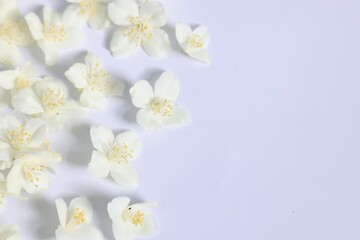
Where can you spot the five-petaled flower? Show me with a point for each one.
(92, 11)
(13, 33)
(49, 100)
(114, 154)
(94, 82)
(194, 43)
(75, 220)
(140, 25)
(130, 221)
(55, 31)
(157, 106)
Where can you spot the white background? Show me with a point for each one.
(272, 151)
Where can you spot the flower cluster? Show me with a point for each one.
(38, 106)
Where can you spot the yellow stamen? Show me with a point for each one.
(97, 79)
(139, 32)
(162, 107)
(54, 32)
(11, 31)
(79, 216)
(18, 137)
(121, 153)
(195, 41)
(137, 218)
(21, 83)
(88, 8)
(52, 100)
(33, 173)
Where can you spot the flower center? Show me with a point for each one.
(195, 41)
(121, 153)
(88, 8)
(21, 83)
(33, 173)
(162, 107)
(52, 99)
(11, 30)
(137, 218)
(54, 33)
(139, 32)
(18, 137)
(79, 216)
(97, 79)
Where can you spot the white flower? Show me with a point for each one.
(75, 220)
(3, 191)
(13, 33)
(194, 43)
(94, 82)
(48, 100)
(131, 221)
(158, 105)
(4, 98)
(92, 11)
(112, 155)
(19, 78)
(29, 172)
(54, 32)
(16, 138)
(140, 25)
(9, 232)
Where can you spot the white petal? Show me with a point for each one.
(9, 232)
(34, 188)
(154, 12)
(200, 54)
(50, 52)
(102, 138)
(120, 44)
(99, 165)
(124, 174)
(148, 228)
(72, 16)
(83, 232)
(178, 116)
(148, 120)
(35, 26)
(14, 179)
(8, 122)
(4, 98)
(100, 20)
(159, 45)
(92, 99)
(203, 33)
(6, 155)
(7, 79)
(121, 11)
(37, 129)
(50, 83)
(77, 74)
(183, 32)
(84, 205)
(9, 54)
(131, 139)
(116, 207)
(26, 101)
(73, 38)
(62, 211)
(123, 231)
(92, 60)
(141, 94)
(46, 158)
(51, 16)
(167, 86)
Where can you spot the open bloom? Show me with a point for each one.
(131, 221)
(54, 32)
(30, 172)
(19, 78)
(9, 232)
(92, 11)
(75, 220)
(194, 43)
(17, 139)
(113, 155)
(140, 25)
(157, 106)
(49, 100)
(13, 32)
(94, 82)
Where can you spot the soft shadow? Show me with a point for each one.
(172, 36)
(46, 220)
(80, 153)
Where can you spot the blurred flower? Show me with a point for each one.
(9, 232)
